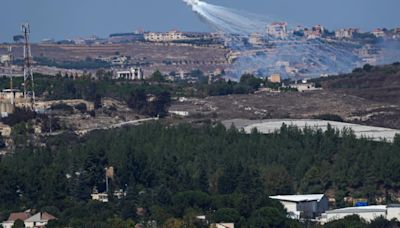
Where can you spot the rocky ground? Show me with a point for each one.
(294, 105)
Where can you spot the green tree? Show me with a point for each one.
(353, 221)
(251, 80)
(267, 217)
(227, 215)
(157, 77)
(18, 224)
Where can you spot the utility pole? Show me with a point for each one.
(29, 86)
(106, 169)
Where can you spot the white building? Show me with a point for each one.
(164, 36)
(131, 74)
(304, 87)
(9, 223)
(38, 220)
(368, 213)
(179, 113)
(278, 30)
(256, 39)
(5, 58)
(222, 225)
(102, 197)
(318, 28)
(303, 206)
(346, 33)
(379, 33)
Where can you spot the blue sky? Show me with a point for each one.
(61, 19)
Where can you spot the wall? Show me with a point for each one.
(368, 216)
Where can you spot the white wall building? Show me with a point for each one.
(164, 36)
(9, 223)
(303, 206)
(131, 74)
(379, 33)
(368, 213)
(222, 225)
(278, 30)
(38, 220)
(102, 197)
(5, 58)
(346, 33)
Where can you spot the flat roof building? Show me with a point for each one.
(368, 213)
(303, 206)
(131, 74)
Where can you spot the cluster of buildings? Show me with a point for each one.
(316, 207)
(174, 35)
(39, 219)
(164, 36)
(280, 30)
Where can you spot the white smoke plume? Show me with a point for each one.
(307, 57)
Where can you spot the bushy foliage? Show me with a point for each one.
(177, 172)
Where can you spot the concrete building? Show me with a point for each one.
(8, 99)
(222, 225)
(164, 36)
(311, 35)
(304, 87)
(318, 28)
(5, 130)
(278, 30)
(393, 211)
(102, 197)
(303, 206)
(379, 33)
(5, 58)
(346, 33)
(38, 220)
(9, 223)
(368, 213)
(256, 39)
(275, 78)
(179, 113)
(131, 74)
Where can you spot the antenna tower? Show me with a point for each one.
(29, 86)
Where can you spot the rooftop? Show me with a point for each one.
(40, 217)
(298, 198)
(374, 208)
(19, 215)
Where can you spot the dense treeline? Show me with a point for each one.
(177, 172)
(85, 64)
(146, 98)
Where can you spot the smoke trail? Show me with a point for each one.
(289, 54)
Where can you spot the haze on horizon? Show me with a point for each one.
(77, 18)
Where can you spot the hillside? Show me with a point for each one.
(380, 84)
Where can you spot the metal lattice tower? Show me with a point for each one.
(29, 86)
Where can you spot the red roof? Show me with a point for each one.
(19, 215)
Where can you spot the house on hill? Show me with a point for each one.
(38, 220)
(304, 206)
(9, 223)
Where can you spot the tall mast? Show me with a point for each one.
(29, 86)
